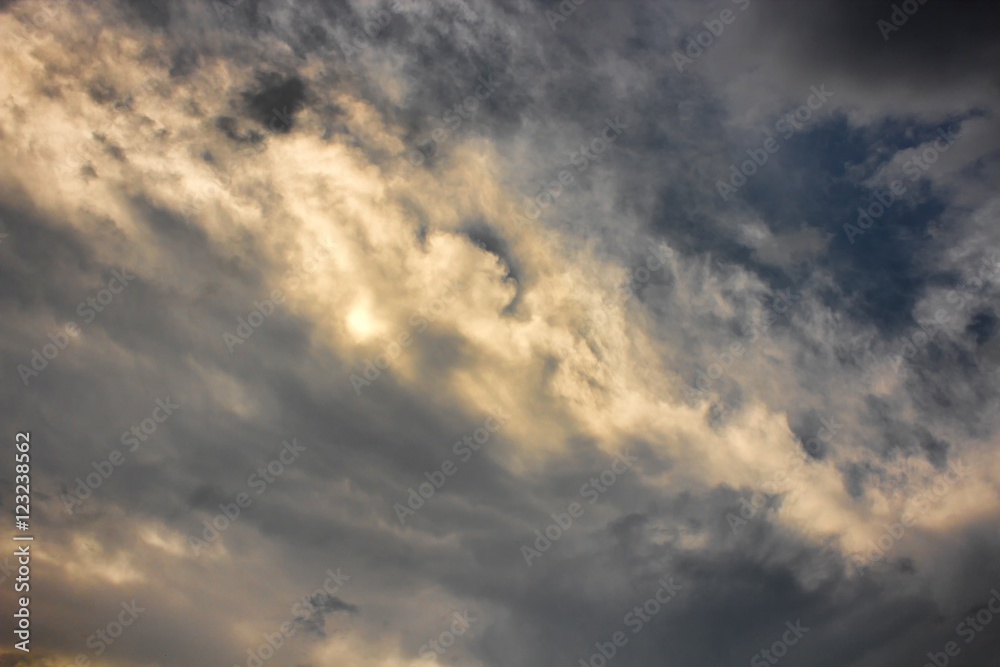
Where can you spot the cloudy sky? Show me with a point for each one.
(503, 333)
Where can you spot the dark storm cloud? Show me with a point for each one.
(491, 242)
(322, 605)
(184, 61)
(939, 43)
(276, 101)
(155, 13)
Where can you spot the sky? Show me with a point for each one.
(502, 333)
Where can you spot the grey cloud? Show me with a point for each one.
(333, 165)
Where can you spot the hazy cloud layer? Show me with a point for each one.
(479, 332)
